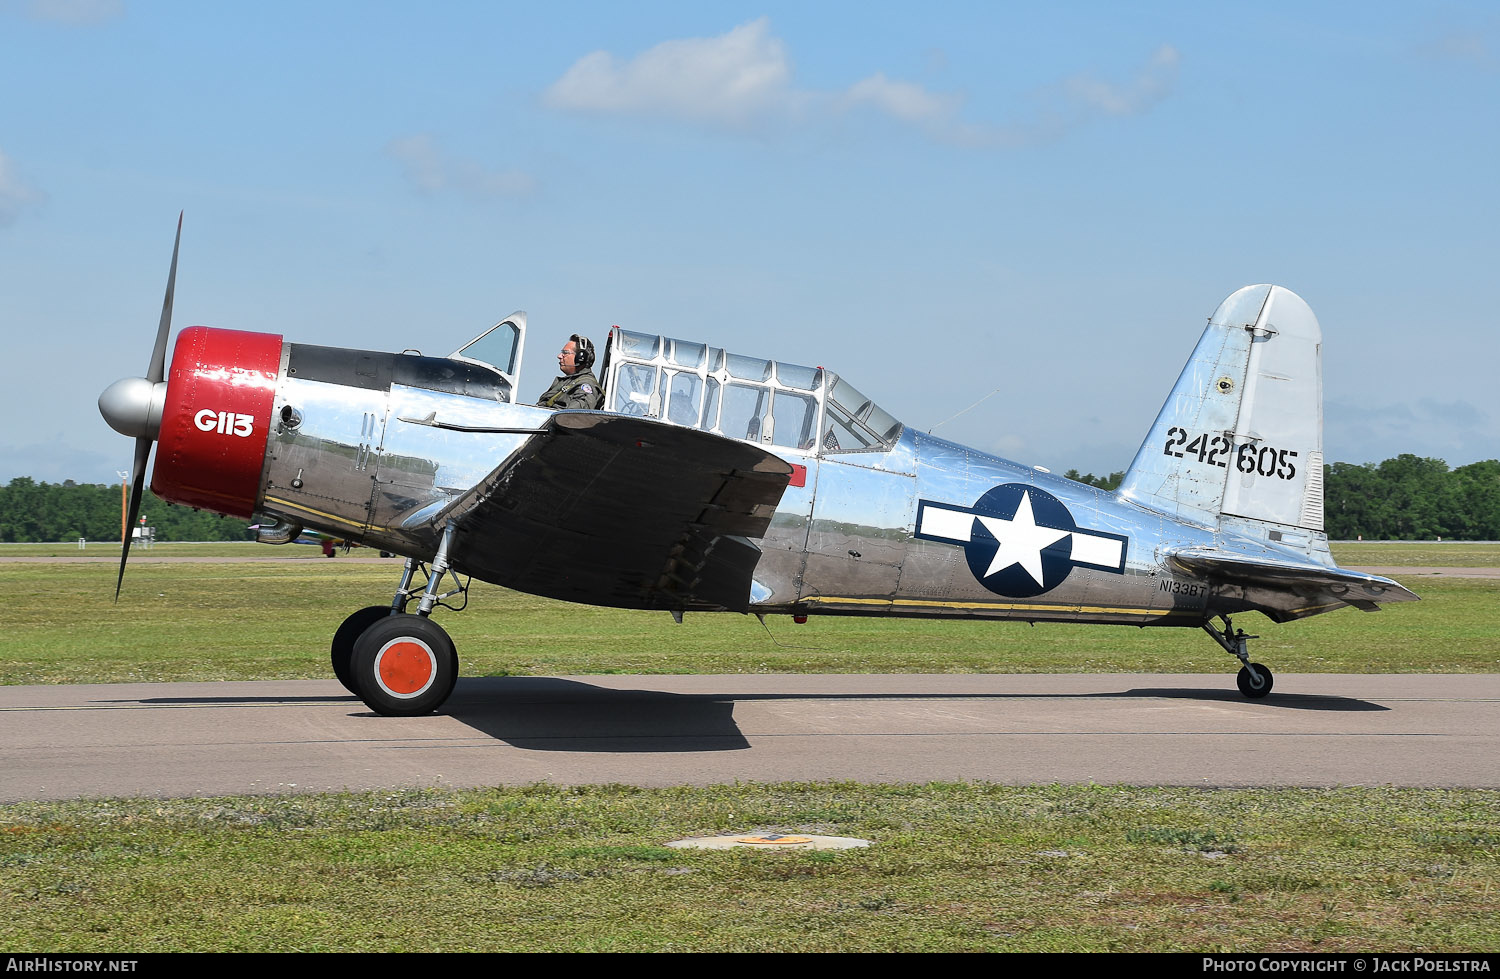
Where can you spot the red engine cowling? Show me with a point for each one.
(216, 419)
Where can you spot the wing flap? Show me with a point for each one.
(622, 511)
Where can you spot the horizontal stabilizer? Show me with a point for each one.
(1288, 589)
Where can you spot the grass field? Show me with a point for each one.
(273, 619)
(953, 867)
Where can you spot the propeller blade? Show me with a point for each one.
(137, 489)
(159, 352)
(155, 371)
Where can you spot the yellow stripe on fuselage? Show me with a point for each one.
(318, 513)
(1002, 606)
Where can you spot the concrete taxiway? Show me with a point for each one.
(184, 739)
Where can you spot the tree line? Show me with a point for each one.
(1405, 498)
(35, 512)
(1410, 498)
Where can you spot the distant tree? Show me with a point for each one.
(1353, 505)
(1404, 498)
(1477, 500)
(1110, 482)
(35, 512)
(1412, 498)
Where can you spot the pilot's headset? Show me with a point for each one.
(584, 353)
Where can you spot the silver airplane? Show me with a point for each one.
(712, 481)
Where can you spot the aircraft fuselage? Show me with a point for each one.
(926, 528)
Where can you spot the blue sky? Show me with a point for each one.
(1037, 205)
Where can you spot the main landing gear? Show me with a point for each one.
(1254, 680)
(400, 664)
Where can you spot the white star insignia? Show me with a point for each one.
(1021, 540)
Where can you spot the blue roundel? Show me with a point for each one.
(1021, 543)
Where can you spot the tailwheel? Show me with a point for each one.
(1254, 681)
(343, 642)
(404, 666)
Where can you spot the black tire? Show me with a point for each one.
(404, 666)
(342, 653)
(1256, 685)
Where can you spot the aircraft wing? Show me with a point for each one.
(622, 511)
(1286, 590)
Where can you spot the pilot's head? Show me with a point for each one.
(576, 355)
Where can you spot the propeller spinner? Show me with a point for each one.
(133, 405)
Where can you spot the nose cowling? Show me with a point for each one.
(215, 419)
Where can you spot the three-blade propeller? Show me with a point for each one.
(132, 406)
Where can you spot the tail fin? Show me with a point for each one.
(1241, 434)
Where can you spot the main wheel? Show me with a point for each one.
(404, 666)
(343, 642)
(1254, 681)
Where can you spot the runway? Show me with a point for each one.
(202, 739)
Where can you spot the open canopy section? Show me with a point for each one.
(767, 402)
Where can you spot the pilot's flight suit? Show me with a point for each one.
(579, 390)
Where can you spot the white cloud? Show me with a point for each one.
(75, 13)
(15, 193)
(1151, 84)
(743, 79)
(431, 171)
(731, 79)
(903, 100)
(1079, 100)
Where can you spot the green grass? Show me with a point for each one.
(953, 867)
(1418, 554)
(274, 620)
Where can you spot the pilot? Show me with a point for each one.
(577, 387)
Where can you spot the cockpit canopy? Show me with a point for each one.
(764, 401)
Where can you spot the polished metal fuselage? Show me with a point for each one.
(848, 542)
(377, 462)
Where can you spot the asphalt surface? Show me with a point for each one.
(186, 739)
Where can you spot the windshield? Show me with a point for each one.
(496, 347)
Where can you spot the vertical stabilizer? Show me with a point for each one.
(1241, 434)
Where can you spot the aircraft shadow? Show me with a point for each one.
(551, 714)
(548, 714)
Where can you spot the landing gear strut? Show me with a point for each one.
(1254, 680)
(399, 664)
